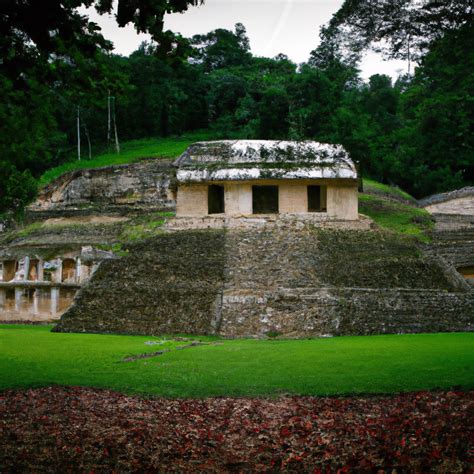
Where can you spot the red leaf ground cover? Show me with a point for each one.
(78, 429)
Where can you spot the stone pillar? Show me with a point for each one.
(35, 303)
(54, 300)
(94, 268)
(40, 270)
(18, 298)
(3, 298)
(78, 270)
(58, 274)
(293, 198)
(26, 268)
(192, 201)
(238, 199)
(342, 202)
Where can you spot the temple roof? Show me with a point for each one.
(236, 160)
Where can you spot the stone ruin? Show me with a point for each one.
(39, 289)
(226, 266)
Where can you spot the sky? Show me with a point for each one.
(290, 27)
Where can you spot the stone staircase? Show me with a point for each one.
(295, 282)
(337, 282)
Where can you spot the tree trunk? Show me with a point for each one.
(108, 118)
(78, 134)
(117, 145)
(86, 130)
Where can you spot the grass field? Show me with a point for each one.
(32, 356)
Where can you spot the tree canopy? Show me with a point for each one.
(402, 29)
(415, 132)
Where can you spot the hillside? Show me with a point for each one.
(393, 209)
(130, 152)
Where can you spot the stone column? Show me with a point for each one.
(95, 266)
(35, 303)
(40, 270)
(54, 300)
(59, 271)
(78, 270)
(18, 297)
(26, 268)
(3, 298)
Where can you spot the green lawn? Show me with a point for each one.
(32, 356)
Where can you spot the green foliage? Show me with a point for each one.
(436, 142)
(16, 189)
(33, 356)
(396, 216)
(415, 133)
(222, 48)
(402, 29)
(27, 230)
(273, 114)
(144, 227)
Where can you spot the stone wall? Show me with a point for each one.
(337, 282)
(460, 201)
(342, 198)
(170, 284)
(296, 281)
(147, 183)
(344, 311)
(453, 240)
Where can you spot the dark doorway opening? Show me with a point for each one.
(215, 199)
(316, 198)
(9, 269)
(265, 199)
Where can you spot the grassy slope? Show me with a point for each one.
(33, 356)
(131, 151)
(374, 187)
(394, 209)
(396, 216)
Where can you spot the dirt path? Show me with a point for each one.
(87, 430)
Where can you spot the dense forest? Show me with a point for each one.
(58, 76)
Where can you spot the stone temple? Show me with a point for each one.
(248, 177)
(255, 238)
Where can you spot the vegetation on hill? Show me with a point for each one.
(131, 151)
(384, 190)
(397, 216)
(415, 132)
(32, 356)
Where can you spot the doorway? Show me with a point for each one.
(265, 199)
(317, 199)
(215, 199)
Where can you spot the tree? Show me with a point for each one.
(52, 66)
(437, 144)
(16, 189)
(222, 48)
(403, 29)
(273, 114)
